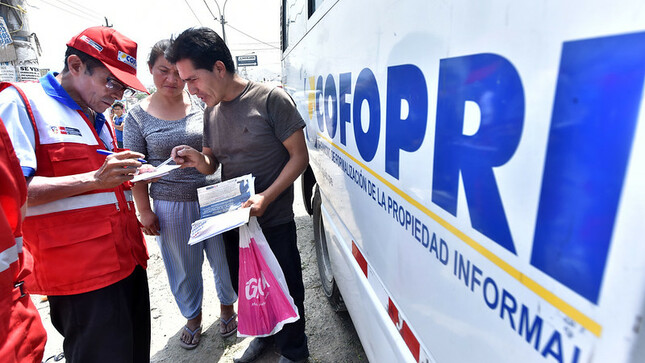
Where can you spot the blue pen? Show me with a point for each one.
(108, 152)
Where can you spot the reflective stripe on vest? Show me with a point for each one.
(71, 203)
(9, 256)
(128, 195)
(77, 202)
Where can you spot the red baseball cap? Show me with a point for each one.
(116, 51)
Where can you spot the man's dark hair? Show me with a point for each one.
(157, 51)
(89, 61)
(117, 104)
(203, 47)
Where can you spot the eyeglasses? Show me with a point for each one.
(116, 86)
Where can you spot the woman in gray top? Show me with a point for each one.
(167, 118)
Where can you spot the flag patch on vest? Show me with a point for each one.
(63, 130)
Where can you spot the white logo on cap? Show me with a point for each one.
(127, 59)
(92, 43)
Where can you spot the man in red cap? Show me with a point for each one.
(81, 228)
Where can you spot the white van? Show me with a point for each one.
(476, 174)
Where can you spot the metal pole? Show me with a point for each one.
(223, 29)
(21, 54)
(221, 17)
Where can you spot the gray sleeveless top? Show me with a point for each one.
(155, 138)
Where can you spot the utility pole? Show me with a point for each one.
(221, 18)
(18, 55)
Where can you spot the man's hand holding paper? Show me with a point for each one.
(188, 157)
(185, 156)
(221, 207)
(257, 203)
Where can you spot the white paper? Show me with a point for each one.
(225, 196)
(157, 173)
(212, 226)
(220, 207)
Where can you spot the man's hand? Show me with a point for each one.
(117, 168)
(186, 156)
(150, 223)
(258, 204)
(298, 160)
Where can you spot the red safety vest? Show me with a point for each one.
(22, 335)
(88, 241)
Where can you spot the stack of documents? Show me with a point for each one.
(220, 207)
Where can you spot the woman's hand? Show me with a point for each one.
(150, 223)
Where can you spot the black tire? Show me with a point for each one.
(325, 271)
(307, 181)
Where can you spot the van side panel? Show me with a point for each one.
(481, 166)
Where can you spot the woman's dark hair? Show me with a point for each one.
(203, 47)
(89, 61)
(157, 51)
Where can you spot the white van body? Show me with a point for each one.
(477, 171)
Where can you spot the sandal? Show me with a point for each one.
(195, 337)
(225, 328)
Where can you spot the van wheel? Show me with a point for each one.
(322, 257)
(307, 182)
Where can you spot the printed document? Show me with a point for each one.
(220, 207)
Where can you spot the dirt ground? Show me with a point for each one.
(332, 337)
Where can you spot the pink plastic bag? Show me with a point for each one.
(264, 304)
